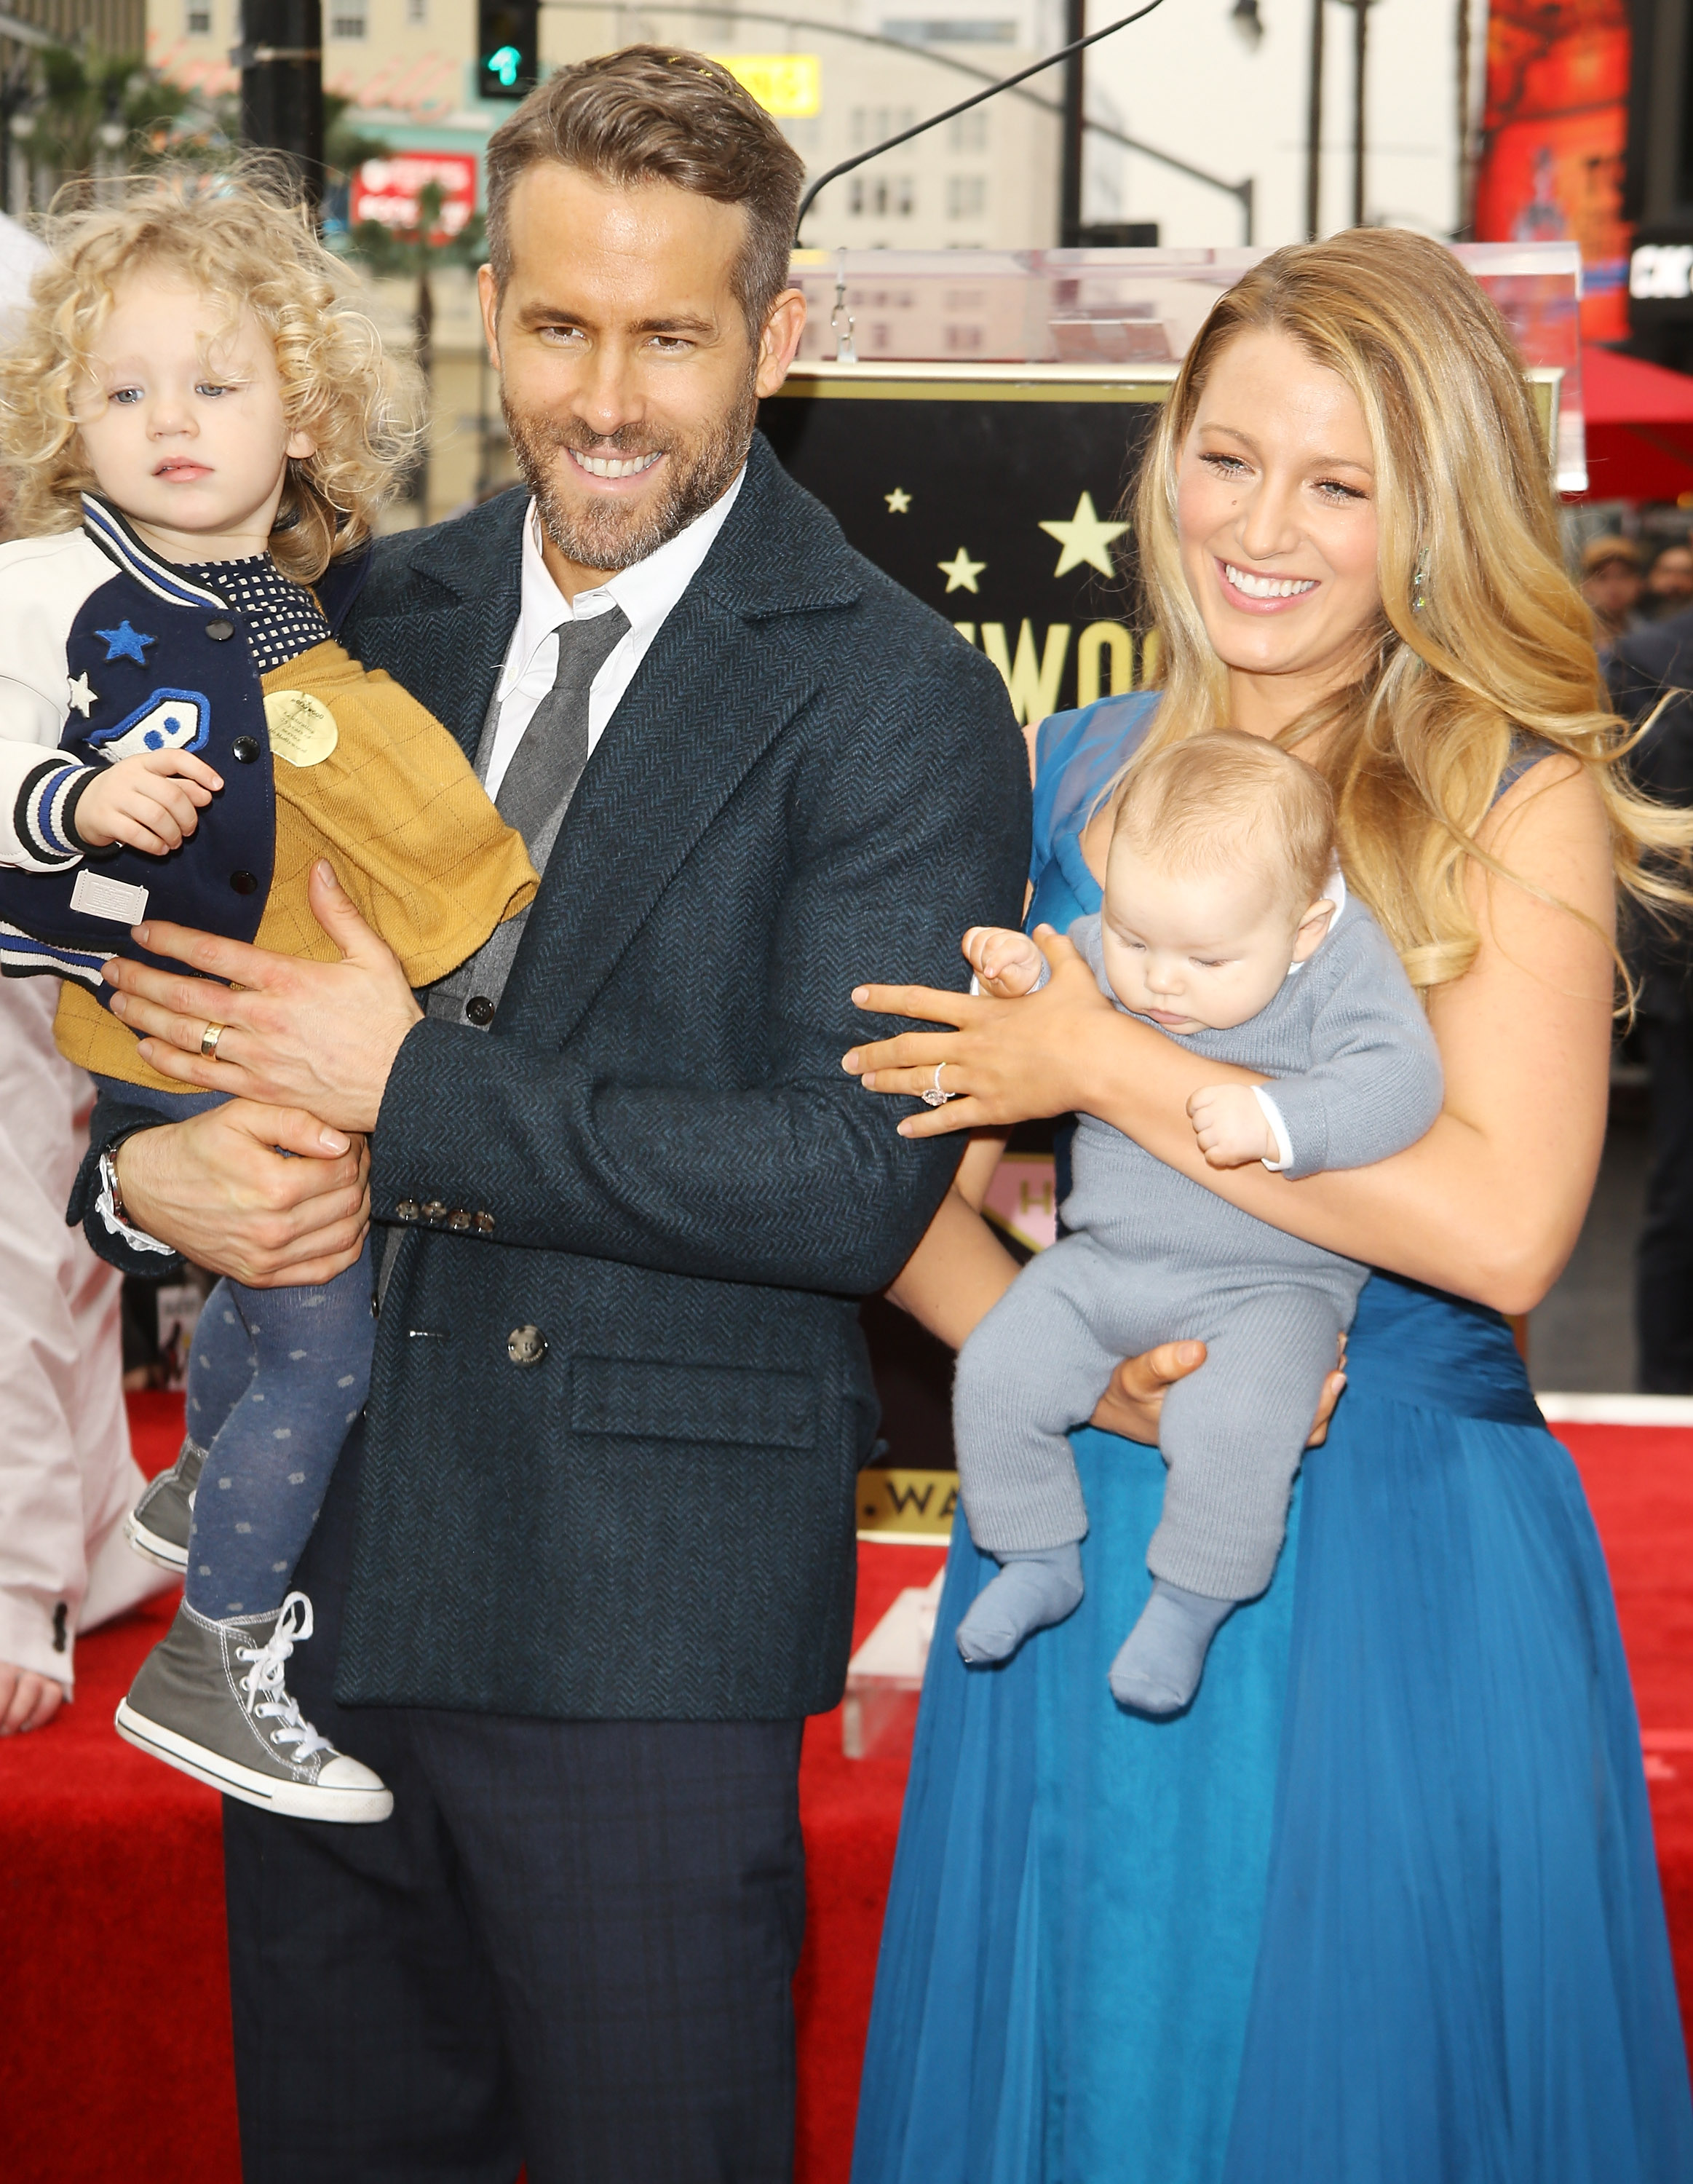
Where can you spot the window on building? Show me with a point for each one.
(416, 12)
(350, 29)
(968, 133)
(198, 22)
(960, 339)
(967, 195)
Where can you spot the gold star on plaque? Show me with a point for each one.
(1085, 537)
(898, 501)
(961, 572)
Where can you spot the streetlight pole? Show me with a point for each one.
(1070, 166)
(1313, 129)
(1361, 37)
(281, 84)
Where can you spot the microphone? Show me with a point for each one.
(964, 105)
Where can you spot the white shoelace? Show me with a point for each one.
(266, 1690)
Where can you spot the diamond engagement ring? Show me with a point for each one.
(209, 1041)
(934, 1097)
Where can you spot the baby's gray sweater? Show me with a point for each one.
(1356, 1078)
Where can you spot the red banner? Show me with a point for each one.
(1554, 131)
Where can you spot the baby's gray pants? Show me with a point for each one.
(1232, 1433)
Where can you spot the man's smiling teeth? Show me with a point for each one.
(609, 467)
(1267, 587)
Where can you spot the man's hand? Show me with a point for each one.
(1232, 1128)
(27, 1701)
(319, 1036)
(1134, 1404)
(1006, 964)
(218, 1189)
(152, 802)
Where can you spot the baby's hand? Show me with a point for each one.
(151, 802)
(1233, 1129)
(1006, 964)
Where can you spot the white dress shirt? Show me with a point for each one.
(646, 593)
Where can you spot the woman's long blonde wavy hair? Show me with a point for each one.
(1502, 647)
(245, 241)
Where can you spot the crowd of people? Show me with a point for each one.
(568, 956)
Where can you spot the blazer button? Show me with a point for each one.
(525, 1346)
(458, 1218)
(433, 1210)
(479, 1008)
(219, 630)
(243, 882)
(406, 1210)
(485, 1224)
(244, 749)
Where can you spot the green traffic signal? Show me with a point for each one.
(504, 65)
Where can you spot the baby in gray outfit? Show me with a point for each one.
(1226, 923)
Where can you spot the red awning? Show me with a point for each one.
(1640, 427)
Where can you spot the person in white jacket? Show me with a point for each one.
(67, 1476)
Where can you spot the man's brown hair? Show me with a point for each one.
(648, 114)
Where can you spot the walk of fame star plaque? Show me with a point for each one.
(995, 493)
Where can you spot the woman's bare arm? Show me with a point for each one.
(961, 1270)
(1489, 1203)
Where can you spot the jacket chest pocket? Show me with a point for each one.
(643, 1399)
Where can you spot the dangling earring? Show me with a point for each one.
(1419, 585)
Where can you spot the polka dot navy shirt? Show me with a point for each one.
(281, 619)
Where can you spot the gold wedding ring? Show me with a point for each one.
(209, 1041)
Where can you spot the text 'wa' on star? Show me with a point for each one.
(961, 572)
(1085, 537)
(898, 501)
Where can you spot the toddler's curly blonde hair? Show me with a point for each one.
(244, 240)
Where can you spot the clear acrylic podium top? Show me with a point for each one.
(1134, 312)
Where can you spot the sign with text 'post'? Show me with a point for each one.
(389, 190)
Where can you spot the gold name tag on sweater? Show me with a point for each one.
(302, 727)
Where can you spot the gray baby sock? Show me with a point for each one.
(1030, 1591)
(1161, 1660)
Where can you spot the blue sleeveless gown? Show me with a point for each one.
(1381, 1908)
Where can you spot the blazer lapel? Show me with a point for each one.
(726, 675)
(678, 746)
(461, 620)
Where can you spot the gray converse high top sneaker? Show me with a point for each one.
(212, 1699)
(159, 1525)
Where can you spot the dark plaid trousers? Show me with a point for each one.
(572, 1946)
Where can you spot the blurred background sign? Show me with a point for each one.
(789, 86)
(388, 191)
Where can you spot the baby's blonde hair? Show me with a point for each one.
(245, 241)
(1224, 800)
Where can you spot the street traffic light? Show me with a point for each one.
(507, 47)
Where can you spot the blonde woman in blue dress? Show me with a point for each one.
(1381, 1906)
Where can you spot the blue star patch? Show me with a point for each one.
(124, 643)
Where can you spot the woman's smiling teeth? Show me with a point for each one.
(613, 467)
(1267, 587)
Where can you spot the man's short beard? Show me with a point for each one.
(610, 534)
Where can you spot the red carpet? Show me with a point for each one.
(116, 2013)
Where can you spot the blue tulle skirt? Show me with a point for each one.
(1381, 1908)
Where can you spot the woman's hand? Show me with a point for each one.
(1134, 1404)
(1005, 1061)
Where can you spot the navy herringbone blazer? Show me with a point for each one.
(654, 1158)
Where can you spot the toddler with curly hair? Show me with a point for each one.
(203, 426)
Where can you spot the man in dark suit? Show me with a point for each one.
(1641, 669)
(589, 1562)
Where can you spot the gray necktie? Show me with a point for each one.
(534, 795)
(546, 766)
